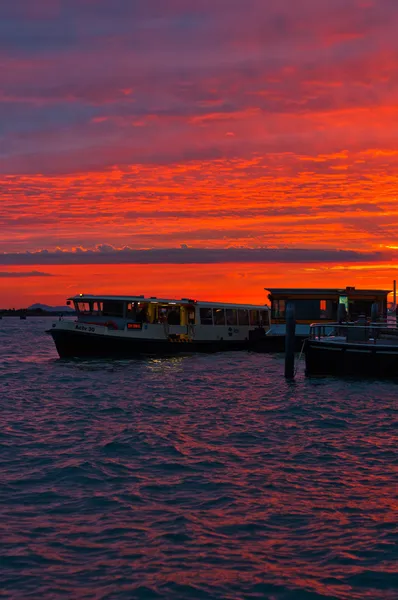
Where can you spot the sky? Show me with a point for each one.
(201, 148)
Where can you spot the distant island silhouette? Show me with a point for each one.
(37, 310)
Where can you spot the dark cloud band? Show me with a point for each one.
(108, 255)
(19, 275)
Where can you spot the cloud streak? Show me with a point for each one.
(105, 255)
(22, 274)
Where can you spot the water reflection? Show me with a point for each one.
(192, 477)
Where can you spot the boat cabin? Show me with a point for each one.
(138, 310)
(322, 304)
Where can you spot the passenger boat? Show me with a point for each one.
(360, 349)
(134, 325)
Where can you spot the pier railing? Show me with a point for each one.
(355, 331)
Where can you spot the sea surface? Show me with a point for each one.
(202, 477)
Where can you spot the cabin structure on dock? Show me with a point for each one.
(312, 305)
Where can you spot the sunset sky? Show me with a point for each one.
(201, 148)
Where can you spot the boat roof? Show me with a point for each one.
(155, 300)
(348, 291)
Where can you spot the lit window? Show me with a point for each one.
(219, 316)
(323, 312)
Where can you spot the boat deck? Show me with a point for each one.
(338, 340)
(365, 350)
(369, 334)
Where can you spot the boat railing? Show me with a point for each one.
(355, 331)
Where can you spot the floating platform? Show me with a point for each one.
(369, 350)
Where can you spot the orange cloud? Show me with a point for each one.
(211, 127)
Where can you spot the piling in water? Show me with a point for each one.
(290, 340)
(374, 313)
(341, 313)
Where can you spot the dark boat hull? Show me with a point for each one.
(363, 360)
(74, 344)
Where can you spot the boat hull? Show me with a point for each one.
(76, 344)
(363, 360)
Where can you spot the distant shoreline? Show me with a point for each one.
(23, 312)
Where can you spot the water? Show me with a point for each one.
(204, 477)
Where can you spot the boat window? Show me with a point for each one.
(243, 316)
(278, 309)
(112, 308)
(142, 312)
(254, 318)
(168, 313)
(325, 309)
(83, 308)
(132, 310)
(264, 317)
(97, 308)
(322, 309)
(162, 314)
(173, 315)
(232, 316)
(219, 316)
(206, 316)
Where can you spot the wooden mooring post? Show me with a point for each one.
(341, 313)
(290, 340)
(374, 312)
